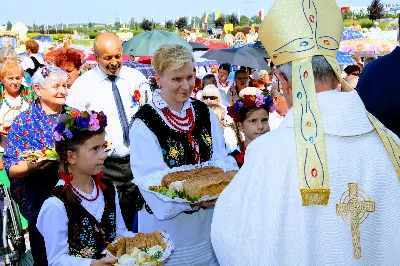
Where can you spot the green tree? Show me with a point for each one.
(181, 23)
(90, 25)
(132, 24)
(244, 20)
(9, 25)
(117, 25)
(219, 23)
(146, 25)
(375, 10)
(169, 25)
(233, 20)
(255, 20)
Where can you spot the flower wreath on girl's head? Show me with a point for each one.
(238, 110)
(79, 121)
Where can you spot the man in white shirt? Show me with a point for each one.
(115, 90)
(276, 118)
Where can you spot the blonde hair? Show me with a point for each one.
(11, 67)
(170, 57)
(219, 112)
(211, 90)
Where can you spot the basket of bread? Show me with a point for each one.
(141, 249)
(189, 184)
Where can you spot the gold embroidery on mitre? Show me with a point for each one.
(354, 207)
(309, 28)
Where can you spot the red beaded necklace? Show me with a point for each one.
(76, 191)
(179, 122)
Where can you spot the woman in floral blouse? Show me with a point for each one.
(32, 183)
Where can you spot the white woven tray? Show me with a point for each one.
(156, 178)
(132, 261)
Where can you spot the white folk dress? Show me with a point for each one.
(259, 218)
(190, 232)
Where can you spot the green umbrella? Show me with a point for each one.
(146, 43)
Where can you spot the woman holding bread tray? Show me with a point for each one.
(171, 131)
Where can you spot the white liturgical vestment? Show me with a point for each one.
(259, 218)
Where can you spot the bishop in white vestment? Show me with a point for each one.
(323, 189)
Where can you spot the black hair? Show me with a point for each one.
(226, 67)
(240, 72)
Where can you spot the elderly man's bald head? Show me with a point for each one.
(105, 39)
(108, 51)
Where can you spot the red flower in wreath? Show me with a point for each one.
(248, 101)
(75, 113)
(136, 95)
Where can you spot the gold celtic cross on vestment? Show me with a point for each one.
(354, 207)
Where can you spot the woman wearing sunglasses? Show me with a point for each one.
(211, 95)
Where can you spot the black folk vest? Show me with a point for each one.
(87, 238)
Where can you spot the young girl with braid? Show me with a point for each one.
(83, 215)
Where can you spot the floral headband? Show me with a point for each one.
(79, 121)
(238, 110)
(45, 71)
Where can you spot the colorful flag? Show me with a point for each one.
(261, 14)
(204, 19)
(218, 15)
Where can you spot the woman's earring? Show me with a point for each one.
(80, 73)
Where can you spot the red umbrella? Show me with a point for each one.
(145, 60)
(213, 44)
(125, 57)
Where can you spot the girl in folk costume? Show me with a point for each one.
(83, 210)
(174, 130)
(251, 114)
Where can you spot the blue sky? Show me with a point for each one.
(74, 11)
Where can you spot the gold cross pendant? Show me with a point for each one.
(354, 207)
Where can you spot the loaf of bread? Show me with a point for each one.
(209, 185)
(190, 174)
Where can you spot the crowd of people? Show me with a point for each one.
(282, 128)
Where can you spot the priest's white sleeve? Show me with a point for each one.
(52, 223)
(146, 158)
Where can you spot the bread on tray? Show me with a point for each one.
(189, 174)
(208, 185)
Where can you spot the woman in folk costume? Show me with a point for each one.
(83, 215)
(316, 190)
(174, 130)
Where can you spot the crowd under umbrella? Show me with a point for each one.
(146, 43)
(244, 56)
(196, 46)
(42, 38)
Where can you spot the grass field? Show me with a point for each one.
(85, 42)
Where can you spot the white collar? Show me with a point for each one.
(343, 114)
(103, 76)
(160, 103)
